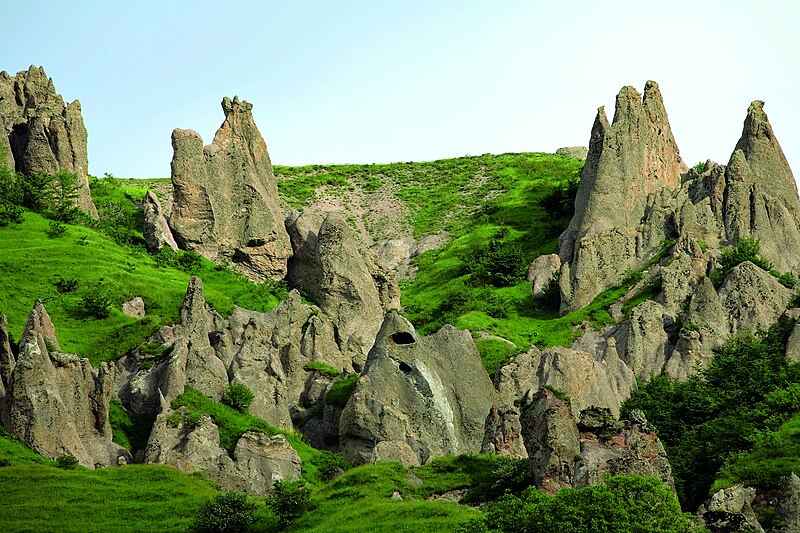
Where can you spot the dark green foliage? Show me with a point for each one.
(289, 500)
(36, 191)
(744, 250)
(331, 465)
(128, 430)
(10, 214)
(56, 230)
(187, 261)
(501, 263)
(96, 302)
(10, 195)
(560, 202)
(230, 512)
(67, 462)
(621, 504)
(341, 390)
(550, 298)
(238, 396)
(65, 285)
(748, 388)
(699, 168)
(64, 193)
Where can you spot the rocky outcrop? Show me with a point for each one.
(134, 307)
(56, 403)
(332, 266)
(225, 202)
(575, 152)
(541, 272)
(752, 298)
(42, 132)
(730, 511)
(630, 159)
(417, 398)
(193, 446)
(7, 359)
(156, 230)
(565, 453)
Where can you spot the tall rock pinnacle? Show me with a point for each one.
(41, 133)
(226, 199)
(629, 160)
(761, 198)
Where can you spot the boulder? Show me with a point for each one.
(44, 134)
(156, 229)
(752, 298)
(225, 202)
(629, 160)
(789, 504)
(193, 446)
(575, 152)
(730, 511)
(134, 307)
(642, 340)
(541, 272)
(57, 403)
(551, 439)
(417, 397)
(504, 432)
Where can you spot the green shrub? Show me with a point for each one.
(10, 214)
(36, 191)
(508, 476)
(501, 263)
(56, 229)
(166, 257)
(700, 167)
(96, 303)
(289, 500)
(330, 465)
(67, 462)
(64, 190)
(230, 512)
(190, 261)
(744, 250)
(341, 390)
(323, 368)
(560, 202)
(65, 285)
(238, 396)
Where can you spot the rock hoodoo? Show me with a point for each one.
(156, 230)
(417, 398)
(42, 133)
(225, 201)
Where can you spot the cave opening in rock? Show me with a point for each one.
(402, 337)
(405, 367)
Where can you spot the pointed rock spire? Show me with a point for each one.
(629, 160)
(39, 329)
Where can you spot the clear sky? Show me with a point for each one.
(379, 81)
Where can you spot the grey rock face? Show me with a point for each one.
(576, 152)
(156, 229)
(225, 199)
(44, 134)
(256, 463)
(752, 298)
(789, 505)
(134, 307)
(56, 403)
(729, 511)
(541, 272)
(642, 340)
(629, 160)
(7, 360)
(417, 397)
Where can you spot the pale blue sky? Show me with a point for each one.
(379, 81)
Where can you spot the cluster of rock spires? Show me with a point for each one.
(42, 133)
(417, 397)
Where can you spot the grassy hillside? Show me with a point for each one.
(32, 263)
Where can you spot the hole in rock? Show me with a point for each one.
(406, 368)
(402, 337)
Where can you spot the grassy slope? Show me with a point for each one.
(30, 263)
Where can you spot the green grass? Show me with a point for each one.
(38, 497)
(232, 424)
(360, 500)
(341, 390)
(323, 368)
(31, 262)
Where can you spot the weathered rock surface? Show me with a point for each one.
(541, 272)
(225, 202)
(629, 160)
(56, 403)
(156, 229)
(417, 397)
(752, 298)
(7, 359)
(730, 511)
(576, 152)
(256, 463)
(134, 307)
(44, 134)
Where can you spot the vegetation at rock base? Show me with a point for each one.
(238, 396)
(727, 418)
(288, 501)
(230, 512)
(341, 390)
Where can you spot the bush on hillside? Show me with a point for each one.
(289, 500)
(501, 263)
(230, 512)
(744, 250)
(10, 196)
(749, 388)
(65, 285)
(560, 202)
(96, 303)
(67, 462)
(238, 396)
(330, 465)
(56, 229)
(621, 504)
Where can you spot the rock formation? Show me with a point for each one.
(225, 202)
(729, 511)
(156, 230)
(193, 446)
(541, 272)
(630, 159)
(56, 403)
(576, 152)
(42, 133)
(417, 397)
